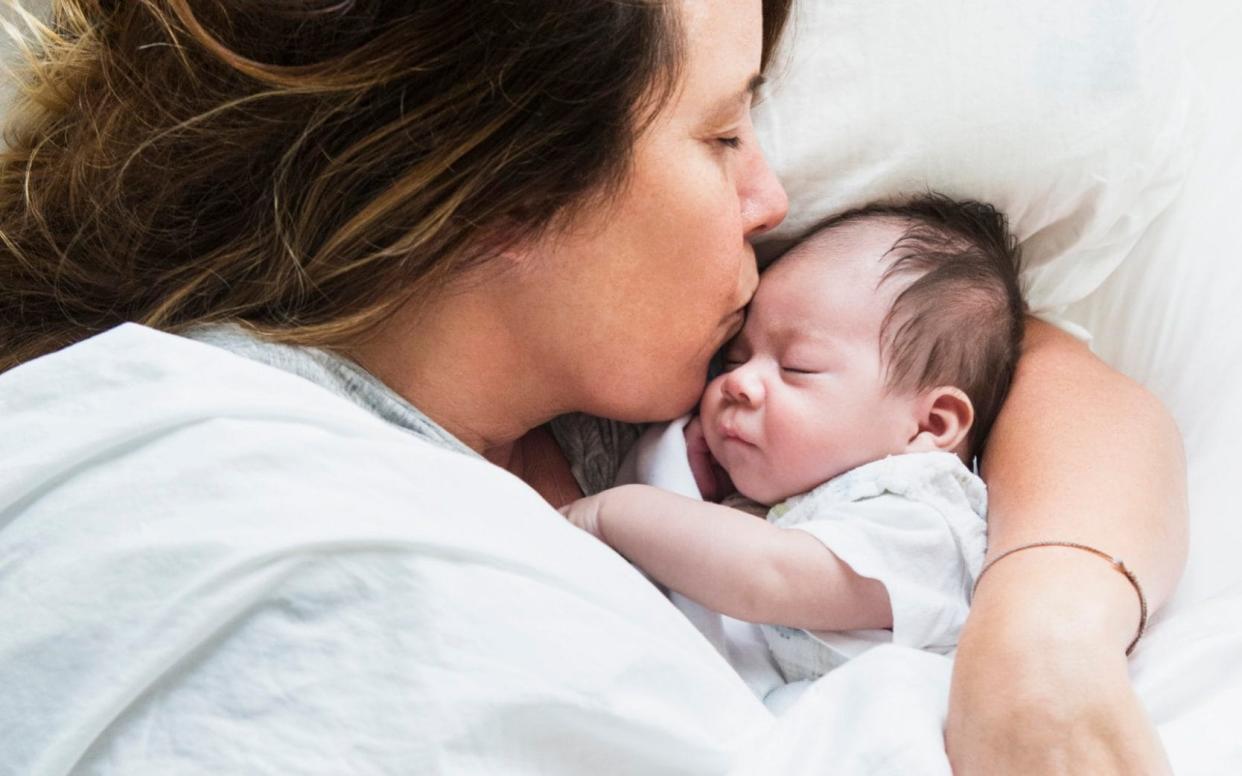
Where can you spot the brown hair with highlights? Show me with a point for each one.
(305, 167)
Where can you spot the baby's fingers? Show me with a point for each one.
(582, 513)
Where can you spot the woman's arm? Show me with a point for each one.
(733, 562)
(1079, 453)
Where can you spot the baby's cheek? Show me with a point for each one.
(803, 466)
(755, 485)
(709, 409)
(790, 438)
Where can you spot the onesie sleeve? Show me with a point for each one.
(925, 559)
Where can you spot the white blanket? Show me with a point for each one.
(885, 711)
(211, 566)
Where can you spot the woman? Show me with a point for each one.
(467, 220)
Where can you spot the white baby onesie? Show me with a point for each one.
(916, 523)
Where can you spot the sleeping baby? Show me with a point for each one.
(874, 359)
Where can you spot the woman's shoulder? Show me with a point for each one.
(177, 565)
(143, 445)
(136, 417)
(141, 375)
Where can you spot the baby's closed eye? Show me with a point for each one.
(799, 370)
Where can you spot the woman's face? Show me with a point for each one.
(642, 291)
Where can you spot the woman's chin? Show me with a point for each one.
(666, 410)
(667, 404)
(685, 398)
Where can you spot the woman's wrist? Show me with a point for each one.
(1040, 681)
(1059, 595)
(1040, 619)
(1018, 706)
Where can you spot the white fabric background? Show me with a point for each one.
(1075, 117)
(1169, 315)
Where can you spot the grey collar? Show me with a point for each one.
(332, 372)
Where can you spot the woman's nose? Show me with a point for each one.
(743, 385)
(764, 202)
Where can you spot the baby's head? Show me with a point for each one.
(888, 329)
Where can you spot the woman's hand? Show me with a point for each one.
(1040, 685)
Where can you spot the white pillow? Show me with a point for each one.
(1072, 116)
(1104, 133)
(1171, 316)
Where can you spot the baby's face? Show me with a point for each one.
(803, 397)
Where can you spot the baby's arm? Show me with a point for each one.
(733, 562)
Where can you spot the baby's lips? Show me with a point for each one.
(731, 431)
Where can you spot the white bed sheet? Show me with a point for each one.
(1171, 317)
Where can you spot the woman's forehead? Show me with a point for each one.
(723, 48)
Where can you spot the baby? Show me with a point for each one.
(872, 364)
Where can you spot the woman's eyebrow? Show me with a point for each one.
(724, 108)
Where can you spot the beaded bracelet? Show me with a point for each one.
(1117, 564)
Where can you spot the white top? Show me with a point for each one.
(914, 522)
(211, 566)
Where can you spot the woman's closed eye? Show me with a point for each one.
(730, 141)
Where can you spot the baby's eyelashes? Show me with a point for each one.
(730, 364)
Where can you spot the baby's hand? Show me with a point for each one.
(584, 513)
(712, 480)
(615, 506)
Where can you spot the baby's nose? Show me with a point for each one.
(743, 385)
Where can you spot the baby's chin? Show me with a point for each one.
(758, 489)
(769, 490)
(750, 473)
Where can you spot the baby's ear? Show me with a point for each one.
(944, 416)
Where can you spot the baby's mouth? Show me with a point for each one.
(730, 433)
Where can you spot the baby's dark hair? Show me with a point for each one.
(960, 320)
